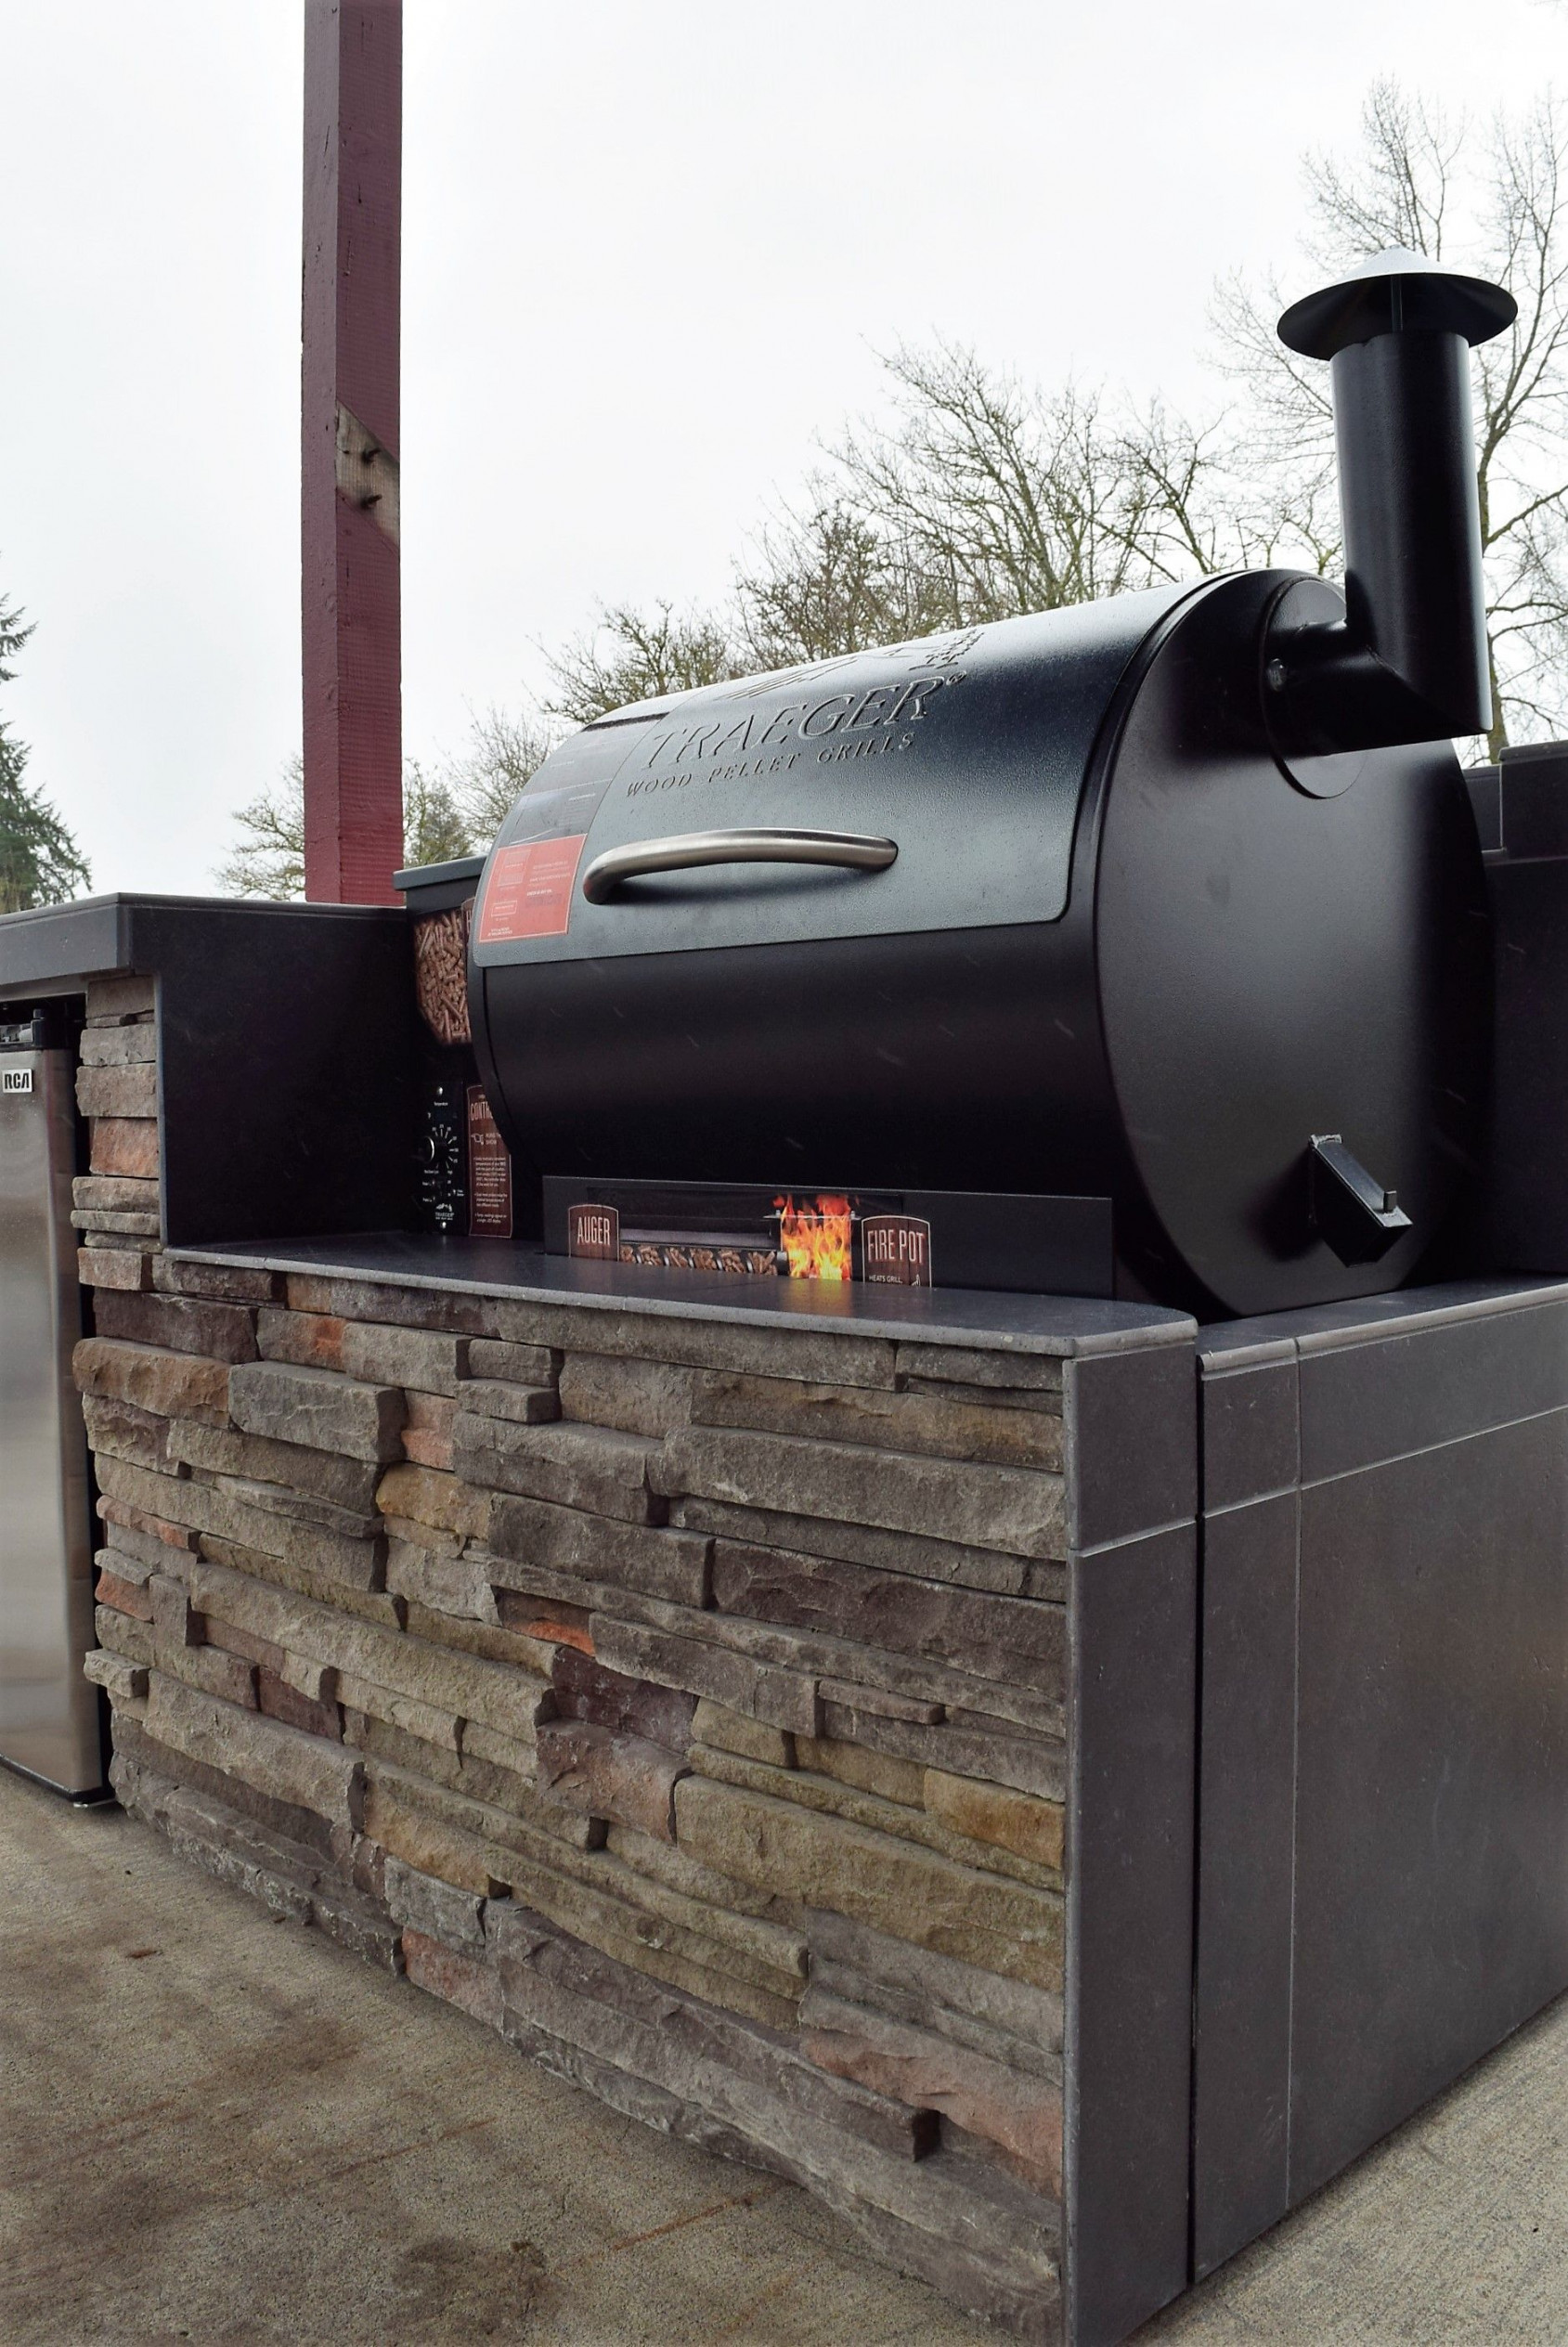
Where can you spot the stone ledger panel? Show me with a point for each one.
(686, 1701)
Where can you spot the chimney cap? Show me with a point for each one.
(1395, 293)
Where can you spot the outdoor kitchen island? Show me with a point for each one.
(811, 1716)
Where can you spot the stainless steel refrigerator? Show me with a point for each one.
(49, 1714)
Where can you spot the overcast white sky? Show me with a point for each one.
(649, 253)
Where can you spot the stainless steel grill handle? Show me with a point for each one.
(852, 850)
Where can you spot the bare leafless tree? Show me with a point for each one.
(630, 655)
(1494, 201)
(268, 856)
(502, 752)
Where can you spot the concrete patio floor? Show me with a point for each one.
(216, 2127)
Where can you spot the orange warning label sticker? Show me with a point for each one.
(528, 891)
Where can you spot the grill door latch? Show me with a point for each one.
(1350, 1212)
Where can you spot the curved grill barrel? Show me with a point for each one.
(1170, 900)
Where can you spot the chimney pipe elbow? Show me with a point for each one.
(1410, 662)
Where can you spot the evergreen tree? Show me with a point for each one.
(40, 862)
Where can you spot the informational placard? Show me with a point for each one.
(489, 1172)
(593, 1233)
(896, 1250)
(528, 889)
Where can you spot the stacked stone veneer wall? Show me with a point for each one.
(683, 1699)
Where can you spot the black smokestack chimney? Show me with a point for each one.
(1409, 662)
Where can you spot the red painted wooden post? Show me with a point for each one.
(348, 488)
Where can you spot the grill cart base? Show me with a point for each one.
(1055, 1781)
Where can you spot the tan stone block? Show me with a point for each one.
(120, 1431)
(234, 1640)
(308, 1340)
(1015, 1510)
(461, 1685)
(422, 1903)
(533, 1655)
(303, 1770)
(123, 1682)
(1003, 1366)
(125, 1145)
(226, 1514)
(114, 1193)
(1016, 1821)
(427, 1359)
(181, 1324)
(879, 1773)
(112, 1267)
(582, 1467)
(1024, 2114)
(782, 1698)
(424, 1447)
(346, 1483)
(279, 1573)
(636, 1398)
(972, 1630)
(480, 1743)
(833, 1798)
(607, 1774)
(428, 1497)
(400, 1711)
(446, 1584)
(428, 1845)
(587, 1890)
(924, 1423)
(172, 1384)
(212, 1668)
(465, 1981)
(216, 1283)
(319, 1408)
(105, 1229)
(894, 1885)
(126, 996)
(124, 1634)
(732, 1732)
(123, 1046)
(427, 1435)
(600, 1550)
(516, 1405)
(529, 1365)
(675, 1870)
(117, 1091)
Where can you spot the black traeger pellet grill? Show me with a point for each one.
(1134, 948)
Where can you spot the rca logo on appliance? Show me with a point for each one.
(16, 1080)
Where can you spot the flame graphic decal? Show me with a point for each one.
(815, 1240)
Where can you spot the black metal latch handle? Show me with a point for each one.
(1353, 1213)
(852, 851)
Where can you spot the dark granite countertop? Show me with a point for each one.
(980, 1319)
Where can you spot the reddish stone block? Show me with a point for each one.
(181, 1324)
(279, 1701)
(125, 1596)
(111, 1267)
(553, 1625)
(609, 1775)
(125, 1145)
(118, 1092)
(423, 1448)
(586, 1690)
(173, 1535)
(458, 1978)
(168, 1384)
(237, 1641)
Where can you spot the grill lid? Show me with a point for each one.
(762, 811)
